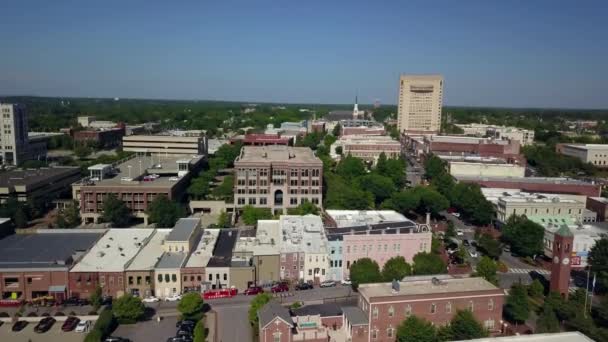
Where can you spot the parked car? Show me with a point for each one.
(346, 282)
(507, 248)
(106, 300)
(44, 325)
(466, 243)
(19, 325)
(180, 339)
(83, 326)
(459, 232)
(328, 283)
(150, 299)
(455, 214)
(116, 339)
(303, 286)
(179, 324)
(70, 323)
(173, 298)
(280, 287)
(473, 253)
(252, 291)
(75, 301)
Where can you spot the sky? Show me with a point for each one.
(515, 53)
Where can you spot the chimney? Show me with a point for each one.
(428, 218)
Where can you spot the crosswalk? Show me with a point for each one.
(528, 270)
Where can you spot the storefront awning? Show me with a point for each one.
(57, 288)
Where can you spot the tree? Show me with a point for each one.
(337, 131)
(96, 297)
(415, 329)
(403, 201)
(431, 201)
(341, 194)
(396, 268)
(71, 214)
(489, 246)
(350, 168)
(547, 322)
(524, 236)
(339, 150)
(224, 191)
(128, 309)
(257, 303)
(434, 166)
(536, 289)
(464, 326)
(487, 269)
(305, 208)
(444, 183)
(364, 271)
(380, 186)
(164, 212)
(81, 151)
(191, 305)
(199, 332)
(115, 211)
(251, 214)
(223, 220)
(598, 259)
(517, 307)
(428, 263)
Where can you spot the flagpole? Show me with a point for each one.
(592, 291)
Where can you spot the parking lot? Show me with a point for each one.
(148, 330)
(28, 335)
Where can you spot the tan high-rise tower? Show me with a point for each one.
(420, 103)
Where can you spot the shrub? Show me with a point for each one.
(72, 313)
(105, 323)
(59, 313)
(94, 336)
(4, 314)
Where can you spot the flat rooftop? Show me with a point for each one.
(460, 139)
(266, 241)
(588, 146)
(222, 253)
(424, 285)
(31, 177)
(302, 234)
(165, 166)
(171, 260)
(183, 229)
(404, 227)
(275, 154)
(353, 218)
(204, 250)
(46, 248)
(150, 254)
(570, 336)
(114, 250)
(531, 180)
(516, 195)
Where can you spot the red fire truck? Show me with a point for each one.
(220, 293)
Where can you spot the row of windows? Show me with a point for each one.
(167, 278)
(433, 308)
(396, 247)
(279, 172)
(335, 263)
(138, 280)
(217, 276)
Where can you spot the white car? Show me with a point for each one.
(173, 298)
(473, 253)
(346, 282)
(459, 232)
(150, 299)
(83, 326)
(455, 214)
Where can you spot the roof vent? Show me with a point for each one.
(395, 286)
(100, 254)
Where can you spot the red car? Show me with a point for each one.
(280, 287)
(70, 323)
(254, 290)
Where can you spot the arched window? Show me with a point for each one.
(167, 278)
(491, 305)
(433, 308)
(160, 278)
(174, 278)
(471, 306)
(448, 307)
(408, 310)
(391, 311)
(375, 312)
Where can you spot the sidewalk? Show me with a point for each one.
(211, 325)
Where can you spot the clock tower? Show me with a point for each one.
(560, 269)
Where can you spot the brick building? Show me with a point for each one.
(599, 205)
(37, 264)
(556, 185)
(104, 138)
(256, 139)
(366, 147)
(277, 177)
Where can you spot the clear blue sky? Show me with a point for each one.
(519, 53)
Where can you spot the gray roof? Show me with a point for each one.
(44, 250)
(171, 260)
(273, 310)
(183, 229)
(355, 315)
(35, 177)
(324, 310)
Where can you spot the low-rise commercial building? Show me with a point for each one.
(36, 264)
(361, 127)
(277, 177)
(193, 273)
(166, 144)
(556, 185)
(103, 137)
(585, 236)
(261, 250)
(366, 147)
(524, 136)
(136, 181)
(48, 183)
(484, 167)
(219, 266)
(596, 154)
(256, 139)
(599, 205)
(356, 218)
(140, 271)
(105, 263)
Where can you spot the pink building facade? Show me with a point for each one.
(382, 247)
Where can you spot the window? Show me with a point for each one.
(390, 332)
(391, 311)
(491, 305)
(167, 278)
(471, 306)
(263, 201)
(293, 201)
(29, 280)
(210, 277)
(185, 278)
(448, 307)
(433, 308)
(310, 272)
(252, 201)
(375, 312)
(147, 280)
(225, 276)
(295, 257)
(374, 334)
(489, 324)
(130, 280)
(408, 310)
(160, 278)
(276, 337)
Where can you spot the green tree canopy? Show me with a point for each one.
(350, 167)
(464, 326)
(256, 304)
(223, 221)
(224, 191)
(598, 259)
(517, 306)
(487, 269)
(337, 131)
(251, 214)
(191, 305)
(536, 289)
(524, 236)
(364, 271)
(547, 321)
(415, 329)
(380, 186)
(115, 211)
(305, 208)
(199, 332)
(396, 268)
(428, 263)
(128, 309)
(164, 212)
(434, 166)
(489, 246)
